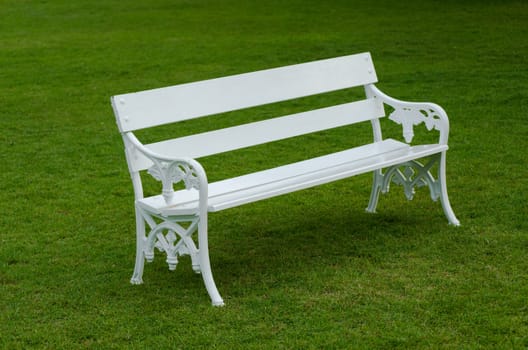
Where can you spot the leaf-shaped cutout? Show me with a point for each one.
(155, 172)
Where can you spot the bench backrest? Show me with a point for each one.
(155, 107)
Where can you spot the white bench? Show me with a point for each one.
(173, 216)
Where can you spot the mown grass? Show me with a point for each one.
(307, 270)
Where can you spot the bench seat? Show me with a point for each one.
(291, 177)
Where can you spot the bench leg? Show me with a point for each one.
(137, 277)
(172, 238)
(414, 174)
(205, 265)
(448, 211)
(375, 192)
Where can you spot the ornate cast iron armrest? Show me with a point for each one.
(409, 114)
(170, 171)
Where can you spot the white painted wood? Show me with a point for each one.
(172, 161)
(268, 183)
(186, 101)
(228, 139)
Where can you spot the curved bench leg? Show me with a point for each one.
(375, 192)
(164, 237)
(173, 247)
(205, 264)
(137, 277)
(414, 174)
(448, 211)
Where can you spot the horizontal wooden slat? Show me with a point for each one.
(186, 101)
(269, 130)
(256, 133)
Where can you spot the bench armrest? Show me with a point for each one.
(409, 114)
(170, 170)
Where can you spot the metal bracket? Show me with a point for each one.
(173, 239)
(410, 175)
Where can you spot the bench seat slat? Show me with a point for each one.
(292, 177)
(246, 135)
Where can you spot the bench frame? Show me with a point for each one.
(174, 216)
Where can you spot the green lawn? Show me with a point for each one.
(310, 270)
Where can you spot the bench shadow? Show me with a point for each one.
(281, 242)
(257, 243)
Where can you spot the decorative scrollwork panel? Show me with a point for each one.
(411, 175)
(170, 173)
(408, 117)
(174, 240)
